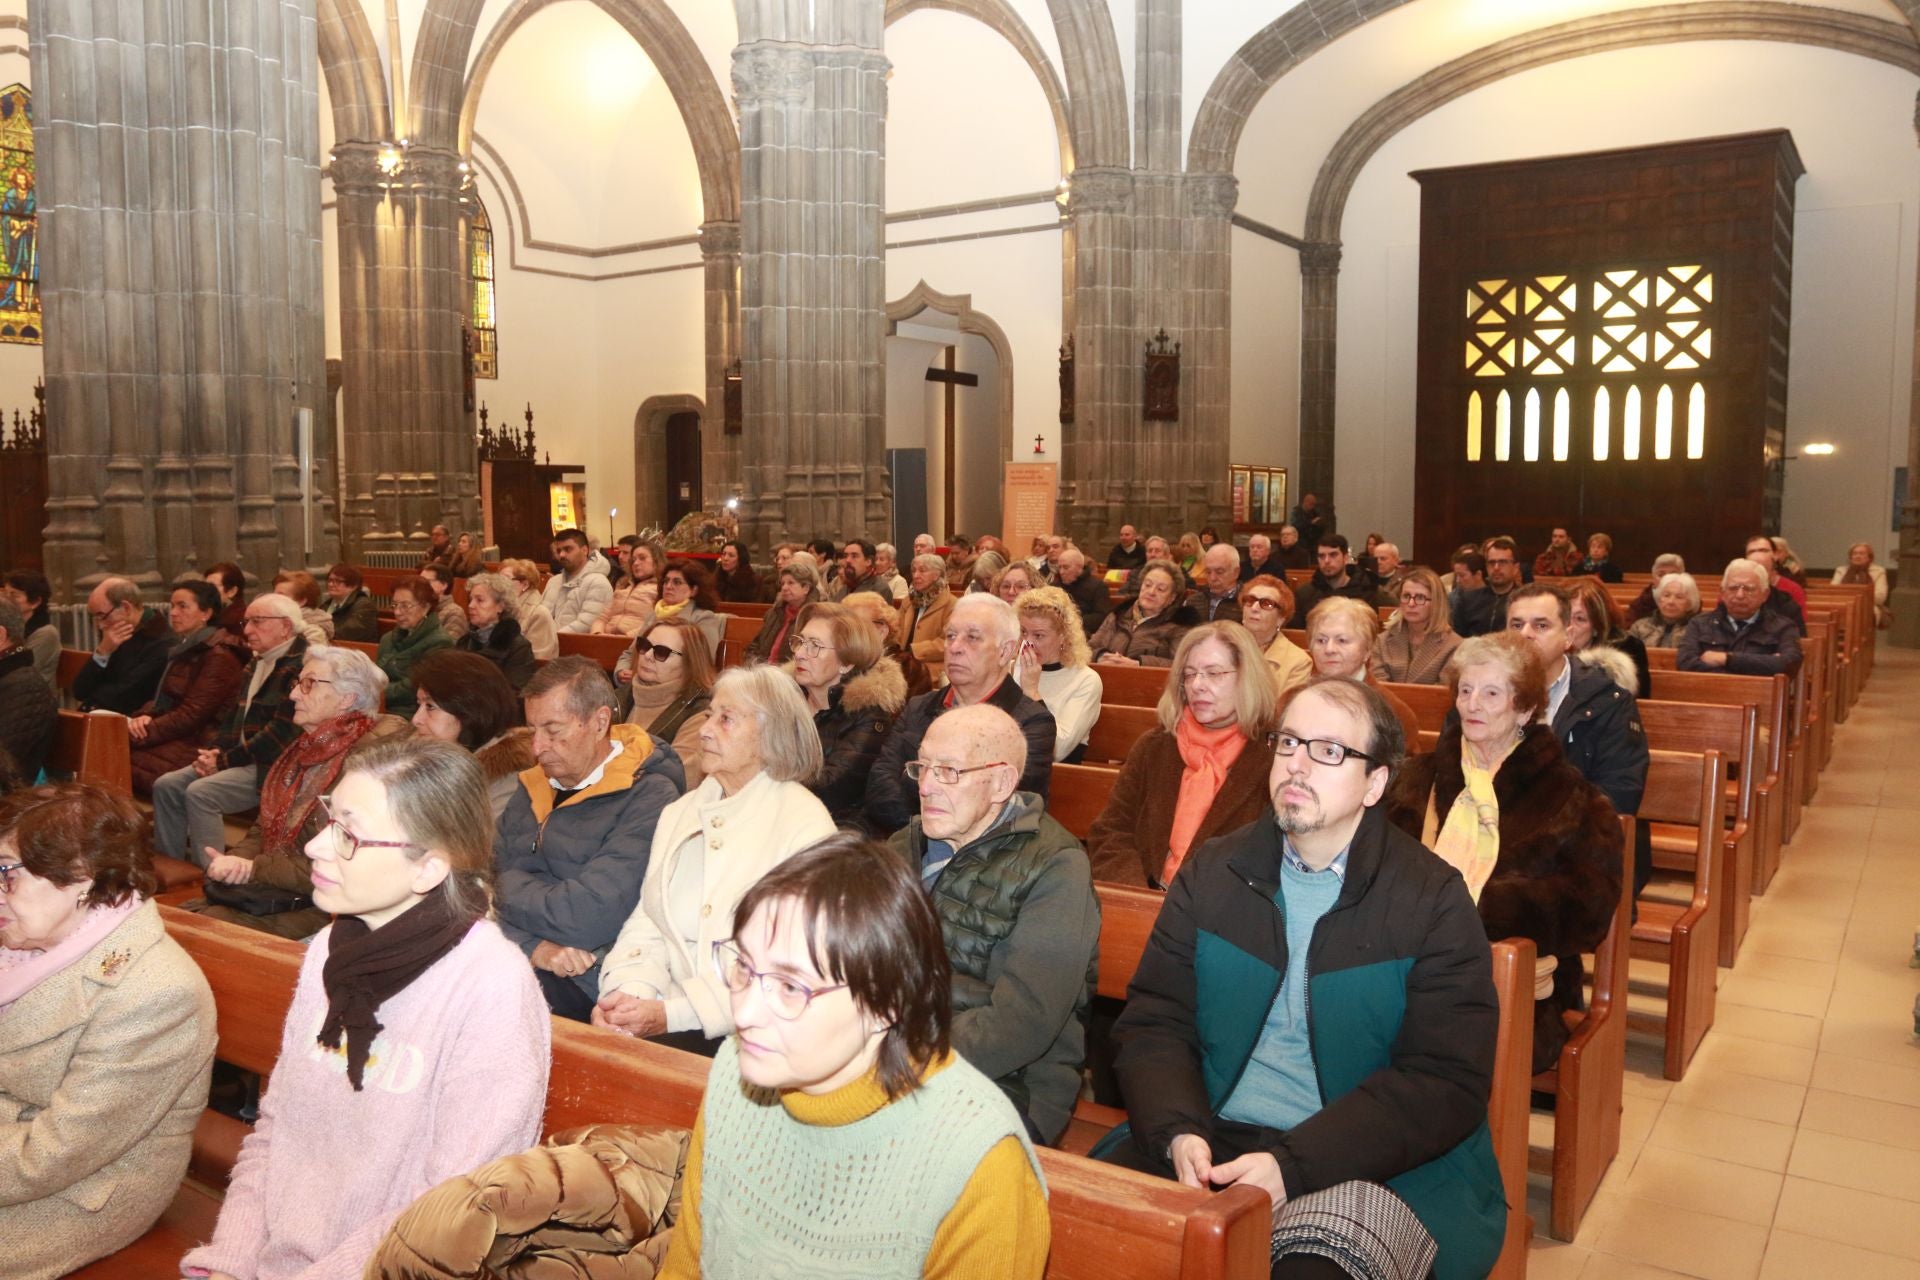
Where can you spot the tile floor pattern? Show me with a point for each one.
(1792, 1149)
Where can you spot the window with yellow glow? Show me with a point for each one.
(480, 317)
(1626, 348)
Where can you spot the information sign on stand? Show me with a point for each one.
(1027, 500)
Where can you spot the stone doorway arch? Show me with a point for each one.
(650, 478)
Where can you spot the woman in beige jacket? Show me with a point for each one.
(106, 1034)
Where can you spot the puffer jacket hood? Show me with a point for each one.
(1617, 665)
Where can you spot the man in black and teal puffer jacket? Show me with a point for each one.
(1316, 1004)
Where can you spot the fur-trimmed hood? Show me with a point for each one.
(881, 687)
(1617, 665)
(510, 753)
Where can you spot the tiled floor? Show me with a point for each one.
(1792, 1149)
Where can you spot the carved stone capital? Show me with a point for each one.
(1320, 258)
(766, 72)
(1212, 195)
(719, 239)
(355, 168)
(1099, 191)
(370, 168)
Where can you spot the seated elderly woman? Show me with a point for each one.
(1201, 771)
(1539, 846)
(1266, 602)
(416, 633)
(1676, 600)
(855, 693)
(202, 679)
(795, 587)
(882, 615)
(417, 1041)
(1143, 631)
(751, 812)
(1053, 668)
(1015, 580)
(636, 595)
(354, 614)
(834, 969)
(670, 677)
(1595, 636)
(106, 1032)
(922, 625)
(1859, 570)
(985, 571)
(495, 633)
(1643, 605)
(265, 882)
(530, 608)
(300, 587)
(686, 592)
(1415, 646)
(464, 699)
(1341, 633)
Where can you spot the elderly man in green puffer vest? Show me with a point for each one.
(1014, 893)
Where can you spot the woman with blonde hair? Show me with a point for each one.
(854, 692)
(1054, 668)
(536, 621)
(751, 812)
(1419, 638)
(1341, 633)
(1188, 552)
(1201, 771)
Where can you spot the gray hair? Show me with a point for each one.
(283, 607)
(1220, 553)
(789, 743)
(119, 591)
(497, 585)
(1667, 562)
(929, 561)
(886, 549)
(13, 622)
(584, 682)
(1004, 620)
(1743, 565)
(805, 560)
(1686, 583)
(804, 574)
(354, 674)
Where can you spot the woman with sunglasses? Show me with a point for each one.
(417, 1045)
(671, 676)
(1266, 602)
(751, 811)
(838, 981)
(266, 882)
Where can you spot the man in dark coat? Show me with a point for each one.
(1017, 909)
(1087, 589)
(1129, 553)
(1315, 1007)
(1470, 603)
(982, 640)
(1335, 577)
(130, 653)
(1741, 636)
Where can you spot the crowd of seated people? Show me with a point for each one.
(472, 833)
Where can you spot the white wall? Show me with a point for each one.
(1265, 400)
(1853, 296)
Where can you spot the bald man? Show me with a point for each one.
(1085, 587)
(1217, 598)
(130, 653)
(1015, 898)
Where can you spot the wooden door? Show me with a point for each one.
(683, 465)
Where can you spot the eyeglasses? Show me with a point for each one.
(7, 873)
(660, 652)
(100, 619)
(944, 774)
(1415, 597)
(808, 645)
(1259, 602)
(787, 997)
(346, 844)
(305, 683)
(1319, 750)
(1196, 675)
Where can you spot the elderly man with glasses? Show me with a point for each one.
(1741, 636)
(1315, 1016)
(1024, 967)
(981, 641)
(190, 805)
(130, 653)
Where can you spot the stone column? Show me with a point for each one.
(180, 278)
(411, 461)
(720, 463)
(1099, 476)
(1319, 316)
(810, 83)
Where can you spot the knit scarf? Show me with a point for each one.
(777, 648)
(1469, 840)
(366, 967)
(283, 812)
(22, 971)
(667, 610)
(1208, 754)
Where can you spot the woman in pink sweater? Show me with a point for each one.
(417, 1045)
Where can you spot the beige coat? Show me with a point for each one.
(124, 1039)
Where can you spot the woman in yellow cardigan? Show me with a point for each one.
(838, 1102)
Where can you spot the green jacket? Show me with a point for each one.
(1022, 927)
(399, 650)
(1401, 1014)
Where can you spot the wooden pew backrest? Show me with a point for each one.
(605, 650)
(1115, 732)
(1078, 794)
(1131, 686)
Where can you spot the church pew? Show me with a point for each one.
(741, 632)
(360, 646)
(754, 609)
(1767, 695)
(1131, 686)
(1115, 732)
(1683, 787)
(72, 663)
(1106, 1221)
(1733, 731)
(1078, 794)
(605, 650)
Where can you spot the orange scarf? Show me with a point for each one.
(1208, 754)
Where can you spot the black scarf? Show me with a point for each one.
(366, 967)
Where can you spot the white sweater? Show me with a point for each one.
(1072, 694)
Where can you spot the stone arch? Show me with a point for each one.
(1096, 90)
(650, 453)
(999, 16)
(655, 28)
(350, 61)
(924, 297)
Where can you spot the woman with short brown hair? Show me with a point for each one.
(855, 693)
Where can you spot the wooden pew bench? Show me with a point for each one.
(1683, 931)
(94, 747)
(1106, 1221)
(1115, 732)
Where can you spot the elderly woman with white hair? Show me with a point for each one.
(922, 627)
(265, 881)
(751, 812)
(1676, 602)
(495, 632)
(1643, 605)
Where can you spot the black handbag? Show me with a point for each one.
(255, 899)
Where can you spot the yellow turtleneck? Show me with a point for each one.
(997, 1228)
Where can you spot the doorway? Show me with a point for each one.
(683, 465)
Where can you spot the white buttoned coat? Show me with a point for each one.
(746, 834)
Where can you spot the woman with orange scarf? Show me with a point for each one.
(1214, 718)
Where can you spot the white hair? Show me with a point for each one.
(281, 607)
(1004, 620)
(886, 549)
(1744, 565)
(354, 675)
(929, 561)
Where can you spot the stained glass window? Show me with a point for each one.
(19, 220)
(486, 348)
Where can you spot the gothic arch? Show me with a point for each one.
(650, 453)
(350, 62)
(652, 24)
(1096, 91)
(999, 16)
(924, 297)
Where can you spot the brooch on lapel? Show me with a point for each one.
(114, 961)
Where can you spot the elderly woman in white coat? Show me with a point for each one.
(106, 1034)
(750, 813)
